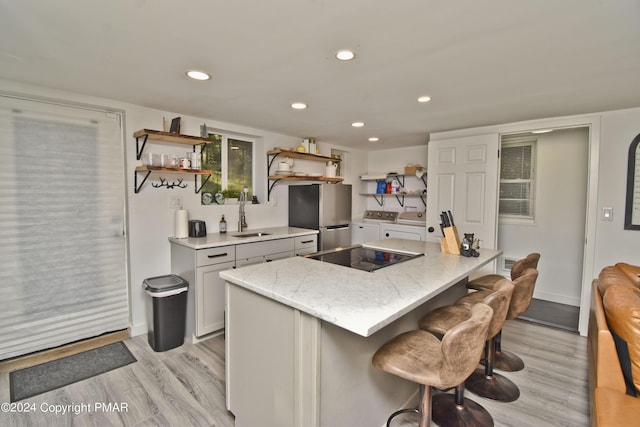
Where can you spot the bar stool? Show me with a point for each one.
(506, 360)
(422, 358)
(487, 281)
(489, 384)
(455, 410)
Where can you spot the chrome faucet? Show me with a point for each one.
(242, 222)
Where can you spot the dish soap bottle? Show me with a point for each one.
(223, 225)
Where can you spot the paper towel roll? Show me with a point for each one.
(181, 224)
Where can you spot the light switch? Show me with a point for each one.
(607, 214)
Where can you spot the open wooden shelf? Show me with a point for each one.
(302, 156)
(306, 178)
(156, 135)
(171, 137)
(173, 170)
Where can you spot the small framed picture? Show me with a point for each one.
(175, 125)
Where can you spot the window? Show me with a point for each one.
(517, 181)
(231, 160)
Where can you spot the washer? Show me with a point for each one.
(380, 225)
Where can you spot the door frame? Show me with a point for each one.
(591, 215)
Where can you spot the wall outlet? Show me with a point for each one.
(607, 214)
(175, 202)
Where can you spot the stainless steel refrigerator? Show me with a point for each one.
(322, 207)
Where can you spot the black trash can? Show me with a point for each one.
(166, 311)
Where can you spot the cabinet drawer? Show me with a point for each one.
(215, 255)
(306, 241)
(250, 250)
(306, 244)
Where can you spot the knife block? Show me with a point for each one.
(450, 243)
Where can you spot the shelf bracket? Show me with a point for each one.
(270, 161)
(397, 178)
(379, 201)
(398, 199)
(424, 180)
(204, 182)
(136, 187)
(423, 201)
(270, 187)
(139, 149)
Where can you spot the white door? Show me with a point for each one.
(463, 178)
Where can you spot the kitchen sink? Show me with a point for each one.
(257, 234)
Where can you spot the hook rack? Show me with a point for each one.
(164, 183)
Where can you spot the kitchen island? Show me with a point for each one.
(300, 334)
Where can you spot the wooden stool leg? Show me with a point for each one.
(425, 406)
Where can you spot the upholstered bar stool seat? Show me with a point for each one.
(422, 358)
(488, 281)
(505, 360)
(456, 410)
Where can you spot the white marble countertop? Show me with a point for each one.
(230, 237)
(359, 301)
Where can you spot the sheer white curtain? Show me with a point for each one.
(62, 243)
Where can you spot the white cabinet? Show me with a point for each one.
(363, 233)
(270, 250)
(409, 232)
(201, 268)
(306, 244)
(205, 299)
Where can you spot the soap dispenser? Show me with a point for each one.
(223, 225)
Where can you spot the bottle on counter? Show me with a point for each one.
(223, 225)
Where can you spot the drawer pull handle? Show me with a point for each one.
(217, 255)
(307, 241)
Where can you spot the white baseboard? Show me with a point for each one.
(560, 299)
(139, 329)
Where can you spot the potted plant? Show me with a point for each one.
(230, 196)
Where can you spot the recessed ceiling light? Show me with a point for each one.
(198, 75)
(298, 105)
(374, 139)
(424, 99)
(345, 55)
(357, 124)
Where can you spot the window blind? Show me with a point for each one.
(62, 244)
(517, 197)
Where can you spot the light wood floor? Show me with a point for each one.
(185, 386)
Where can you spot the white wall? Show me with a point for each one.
(614, 243)
(394, 160)
(150, 220)
(559, 229)
(611, 134)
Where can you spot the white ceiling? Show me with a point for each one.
(482, 62)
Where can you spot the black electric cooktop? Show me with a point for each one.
(362, 258)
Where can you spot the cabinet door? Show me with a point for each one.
(210, 298)
(364, 233)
